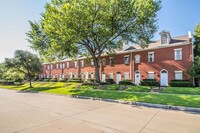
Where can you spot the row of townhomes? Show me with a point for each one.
(164, 60)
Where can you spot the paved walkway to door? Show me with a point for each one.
(43, 113)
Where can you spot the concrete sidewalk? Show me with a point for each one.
(42, 113)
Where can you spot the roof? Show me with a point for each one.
(174, 41)
(179, 40)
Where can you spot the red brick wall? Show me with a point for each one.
(164, 59)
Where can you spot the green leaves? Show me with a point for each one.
(67, 26)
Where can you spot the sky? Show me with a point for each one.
(176, 16)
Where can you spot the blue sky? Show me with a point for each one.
(176, 16)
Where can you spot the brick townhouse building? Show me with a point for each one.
(164, 60)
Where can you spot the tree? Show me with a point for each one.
(2, 70)
(25, 63)
(195, 70)
(98, 25)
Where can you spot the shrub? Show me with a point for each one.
(125, 82)
(150, 82)
(19, 80)
(41, 79)
(76, 80)
(181, 83)
(91, 80)
(104, 83)
(63, 80)
(90, 83)
(53, 80)
(7, 82)
(46, 80)
(111, 81)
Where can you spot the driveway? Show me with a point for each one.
(43, 113)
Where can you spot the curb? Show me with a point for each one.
(170, 107)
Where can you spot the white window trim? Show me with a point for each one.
(175, 58)
(137, 58)
(127, 73)
(103, 61)
(128, 59)
(67, 64)
(82, 63)
(149, 58)
(151, 73)
(112, 75)
(75, 64)
(181, 75)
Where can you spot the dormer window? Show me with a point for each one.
(164, 39)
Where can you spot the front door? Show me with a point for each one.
(103, 79)
(118, 78)
(164, 78)
(137, 77)
(86, 76)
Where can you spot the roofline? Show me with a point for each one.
(133, 51)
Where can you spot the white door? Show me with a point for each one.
(86, 76)
(137, 77)
(118, 78)
(82, 76)
(164, 78)
(71, 76)
(103, 78)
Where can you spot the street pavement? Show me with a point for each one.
(45, 113)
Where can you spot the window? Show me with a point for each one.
(92, 62)
(126, 75)
(137, 58)
(151, 57)
(48, 67)
(111, 75)
(63, 65)
(151, 75)
(82, 63)
(75, 75)
(103, 62)
(75, 64)
(51, 66)
(92, 75)
(164, 39)
(56, 66)
(111, 60)
(126, 59)
(178, 54)
(178, 75)
(67, 64)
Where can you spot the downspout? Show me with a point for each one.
(131, 65)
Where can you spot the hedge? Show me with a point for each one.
(63, 80)
(53, 80)
(125, 82)
(91, 80)
(76, 80)
(7, 82)
(150, 82)
(181, 83)
(111, 81)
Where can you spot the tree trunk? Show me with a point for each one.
(97, 74)
(30, 78)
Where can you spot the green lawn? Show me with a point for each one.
(182, 90)
(110, 93)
